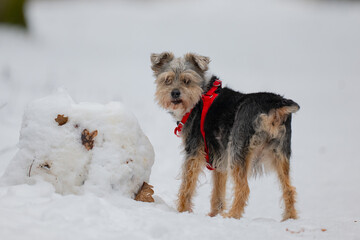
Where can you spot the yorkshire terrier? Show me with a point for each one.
(236, 133)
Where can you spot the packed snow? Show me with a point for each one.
(119, 158)
(99, 51)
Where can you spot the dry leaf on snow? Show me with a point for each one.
(61, 120)
(145, 193)
(87, 138)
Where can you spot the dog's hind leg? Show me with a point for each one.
(218, 203)
(289, 192)
(241, 189)
(193, 166)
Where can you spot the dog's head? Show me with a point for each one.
(179, 81)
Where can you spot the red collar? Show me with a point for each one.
(207, 99)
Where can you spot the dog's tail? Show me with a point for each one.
(273, 122)
(286, 107)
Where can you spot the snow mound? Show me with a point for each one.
(81, 147)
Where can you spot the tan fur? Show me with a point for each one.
(289, 192)
(218, 202)
(261, 161)
(272, 122)
(241, 190)
(191, 170)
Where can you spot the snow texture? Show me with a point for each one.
(120, 160)
(306, 50)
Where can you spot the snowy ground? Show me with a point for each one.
(99, 51)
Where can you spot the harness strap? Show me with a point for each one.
(207, 98)
(180, 124)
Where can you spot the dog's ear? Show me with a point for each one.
(200, 62)
(158, 60)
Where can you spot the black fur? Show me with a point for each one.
(231, 123)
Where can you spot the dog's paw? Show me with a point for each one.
(290, 215)
(231, 215)
(213, 213)
(184, 204)
(184, 209)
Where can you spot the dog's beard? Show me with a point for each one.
(176, 101)
(177, 104)
(177, 108)
(182, 103)
(180, 109)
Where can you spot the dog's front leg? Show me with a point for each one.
(192, 167)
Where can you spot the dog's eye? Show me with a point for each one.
(168, 81)
(187, 81)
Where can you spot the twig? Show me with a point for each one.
(31, 167)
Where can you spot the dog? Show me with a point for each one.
(240, 134)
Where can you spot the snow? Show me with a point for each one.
(99, 51)
(120, 159)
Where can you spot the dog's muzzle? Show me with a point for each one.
(175, 94)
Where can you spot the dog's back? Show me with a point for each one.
(238, 124)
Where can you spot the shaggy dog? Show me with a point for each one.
(227, 131)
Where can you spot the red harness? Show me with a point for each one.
(207, 99)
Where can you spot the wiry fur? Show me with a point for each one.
(245, 133)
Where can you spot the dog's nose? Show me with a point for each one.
(175, 93)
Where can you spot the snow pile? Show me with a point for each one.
(81, 147)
